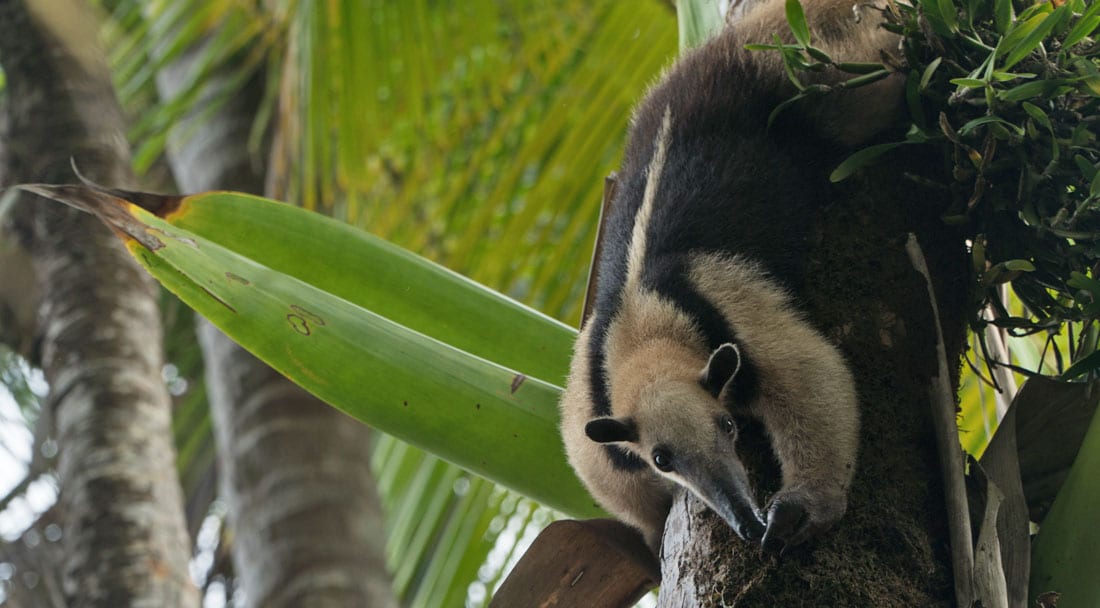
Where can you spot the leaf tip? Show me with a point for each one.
(104, 204)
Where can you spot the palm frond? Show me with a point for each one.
(145, 38)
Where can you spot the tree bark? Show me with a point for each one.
(307, 522)
(98, 325)
(891, 547)
(295, 473)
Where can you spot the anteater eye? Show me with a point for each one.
(662, 460)
(725, 423)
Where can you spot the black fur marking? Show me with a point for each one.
(745, 387)
(601, 394)
(624, 460)
(610, 430)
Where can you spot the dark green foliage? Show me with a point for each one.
(1009, 93)
(1011, 99)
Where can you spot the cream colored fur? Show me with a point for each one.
(641, 223)
(807, 400)
(642, 499)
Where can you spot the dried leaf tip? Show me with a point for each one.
(160, 205)
(106, 205)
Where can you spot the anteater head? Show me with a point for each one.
(671, 415)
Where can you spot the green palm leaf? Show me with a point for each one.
(490, 420)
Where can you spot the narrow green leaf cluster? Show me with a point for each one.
(1010, 99)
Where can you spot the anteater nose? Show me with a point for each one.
(751, 530)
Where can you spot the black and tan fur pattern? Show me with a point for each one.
(695, 314)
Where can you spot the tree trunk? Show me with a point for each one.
(891, 547)
(295, 473)
(307, 522)
(98, 325)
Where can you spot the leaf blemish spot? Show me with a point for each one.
(236, 278)
(517, 381)
(186, 241)
(305, 313)
(299, 324)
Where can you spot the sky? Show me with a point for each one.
(16, 443)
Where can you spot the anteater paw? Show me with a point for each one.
(799, 513)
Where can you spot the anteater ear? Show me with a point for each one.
(611, 430)
(722, 367)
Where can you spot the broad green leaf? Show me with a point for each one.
(491, 420)
(1064, 553)
(410, 291)
(383, 77)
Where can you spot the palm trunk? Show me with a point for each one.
(98, 325)
(307, 522)
(295, 473)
